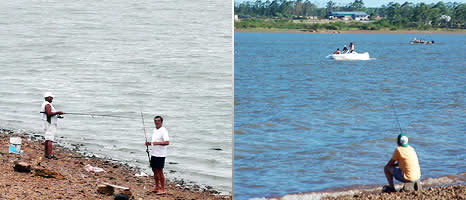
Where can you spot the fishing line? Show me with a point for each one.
(396, 117)
(94, 115)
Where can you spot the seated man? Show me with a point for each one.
(337, 52)
(403, 165)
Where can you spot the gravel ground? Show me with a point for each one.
(79, 183)
(450, 192)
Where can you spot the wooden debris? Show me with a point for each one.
(48, 173)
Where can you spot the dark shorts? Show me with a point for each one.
(157, 162)
(398, 174)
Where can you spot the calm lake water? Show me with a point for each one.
(304, 123)
(117, 58)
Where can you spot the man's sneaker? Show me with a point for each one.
(388, 189)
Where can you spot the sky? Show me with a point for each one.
(368, 3)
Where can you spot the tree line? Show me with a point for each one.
(395, 15)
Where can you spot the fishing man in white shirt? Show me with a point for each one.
(50, 118)
(159, 143)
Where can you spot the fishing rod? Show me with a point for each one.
(145, 135)
(396, 117)
(92, 115)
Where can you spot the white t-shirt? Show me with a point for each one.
(159, 135)
(50, 129)
(54, 118)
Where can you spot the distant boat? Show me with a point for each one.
(350, 56)
(421, 42)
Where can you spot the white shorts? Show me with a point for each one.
(50, 131)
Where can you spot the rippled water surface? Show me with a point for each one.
(305, 123)
(120, 57)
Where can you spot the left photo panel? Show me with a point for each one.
(116, 100)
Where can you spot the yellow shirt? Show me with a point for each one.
(408, 162)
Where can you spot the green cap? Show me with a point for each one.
(402, 140)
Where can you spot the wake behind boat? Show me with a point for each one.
(350, 56)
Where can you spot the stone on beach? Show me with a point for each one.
(121, 189)
(412, 186)
(121, 197)
(22, 167)
(105, 189)
(48, 173)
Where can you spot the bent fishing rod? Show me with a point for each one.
(145, 135)
(396, 117)
(92, 115)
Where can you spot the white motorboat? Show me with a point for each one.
(350, 56)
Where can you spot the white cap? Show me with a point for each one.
(404, 140)
(49, 94)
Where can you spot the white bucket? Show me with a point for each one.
(15, 145)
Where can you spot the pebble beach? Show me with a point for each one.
(72, 178)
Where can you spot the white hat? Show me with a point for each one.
(402, 140)
(49, 94)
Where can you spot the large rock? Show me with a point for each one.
(22, 167)
(105, 189)
(109, 189)
(412, 186)
(48, 173)
(121, 197)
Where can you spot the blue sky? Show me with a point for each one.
(369, 3)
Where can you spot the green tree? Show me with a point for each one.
(394, 13)
(331, 6)
(459, 15)
(357, 5)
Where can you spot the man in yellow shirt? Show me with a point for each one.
(403, 165)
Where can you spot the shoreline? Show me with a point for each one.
(77, 182)
(263, 30)
(444, 187)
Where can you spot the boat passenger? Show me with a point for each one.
(416, 41)
(351, 46)
(345, 50)
(337, 52)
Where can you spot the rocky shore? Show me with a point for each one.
(74, 176)
(444, 187)
(437, 193)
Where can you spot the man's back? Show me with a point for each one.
(408, 162)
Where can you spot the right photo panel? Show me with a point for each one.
(358, 99)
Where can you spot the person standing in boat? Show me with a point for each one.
(351, 46)
(159, 143)
(345, 50)
(50, 118)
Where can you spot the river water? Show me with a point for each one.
(305, 123)
(163, 57)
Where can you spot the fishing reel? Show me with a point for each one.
(60, 117)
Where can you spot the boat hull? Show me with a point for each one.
(351, 56)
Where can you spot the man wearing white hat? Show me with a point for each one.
(50, 117)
